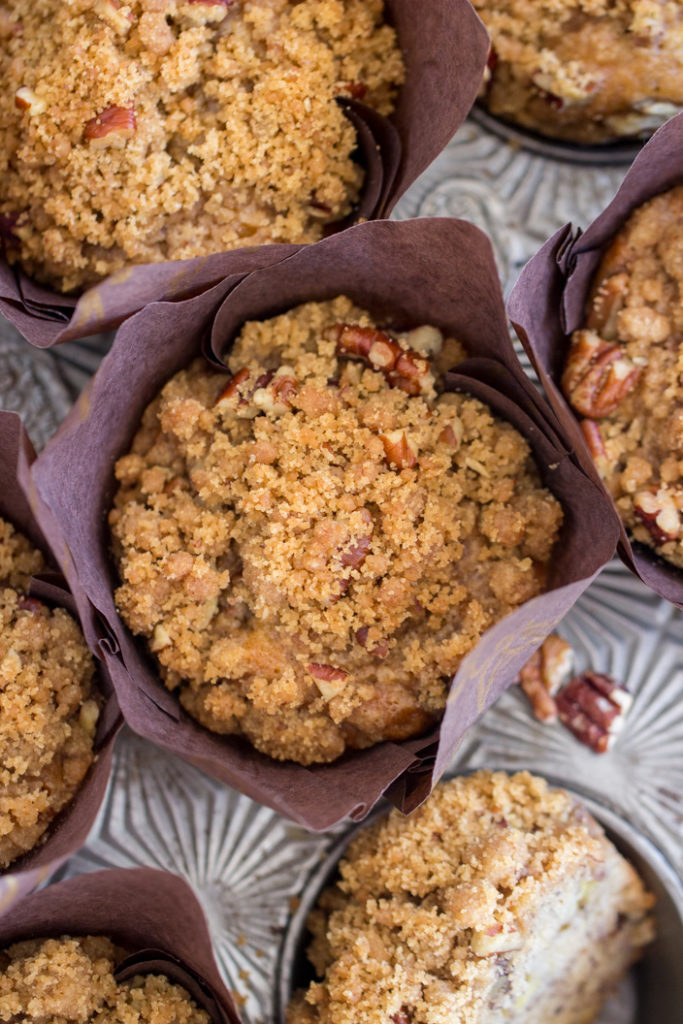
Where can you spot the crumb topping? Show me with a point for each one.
(167, 129)
(312, 545)
(584, 70)
(48, 714)
(72, 981)
(454, 912)
(624, 374)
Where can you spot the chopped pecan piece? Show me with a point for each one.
(597, 376)
(496, 939)
(232, 388)
(380, 651)
(329, 680)
(591, 432)
(402, 1016)
(547, 669)
(592, 706)
(606, 306)
(404, 368)
(30, 604)
(356, 90)
(26, 99)
(659, 515)
(113, 127)
(399, 450)
(355, 556)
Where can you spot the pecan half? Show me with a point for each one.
(113, 127)
(404, 368)
(592, 706)
(597, 376)
(399, 450)
(659, 515)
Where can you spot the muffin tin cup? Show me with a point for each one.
(152, 914)
(657, 979)
(549, 300)
(441, 85)
(425, 271)
(69, 830)
(608, 154)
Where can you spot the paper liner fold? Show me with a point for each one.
(68, 831)
(445, 47)
(436, 271)
(548, 303)
(153, 914)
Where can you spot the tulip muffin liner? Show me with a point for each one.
(440, 87)
(548, 303)
(436, 271)
(69, 829)
(152, 914)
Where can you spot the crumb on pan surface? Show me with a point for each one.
(309, 548)
(500, 899)
(587, 71)
(47, 712)
(163, 130)
(72, 981)
(624, 374)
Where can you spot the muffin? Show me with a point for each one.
(48, 708)
(624, 374)
(74, 980)
(311, 545)
(163, 130)
(501, 899)
(586, 71)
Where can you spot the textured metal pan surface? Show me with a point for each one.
(246, 863)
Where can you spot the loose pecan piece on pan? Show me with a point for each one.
(592, 706)
(545, 671)
(597, 376)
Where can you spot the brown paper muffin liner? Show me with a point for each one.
(153, 914)
(548, 303)
(69, 829)
(436, 271)
(440, 87)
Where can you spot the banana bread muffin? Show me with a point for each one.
(48, 712)
(72, 981)
(500, 899)
(586, 71)
(624, 374)
(149, 130)
(312, 545)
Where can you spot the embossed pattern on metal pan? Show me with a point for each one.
(246, 863)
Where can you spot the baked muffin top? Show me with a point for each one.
(48, 712)
(72, 981)
(162, 130)
(587, 71)
(461, 911)
(312, 545)
(624, 373)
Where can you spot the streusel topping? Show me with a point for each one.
(624, 374)
(47, 711)
(584, 70)
(312, 545)
(72, 981)
(162, 130)
(464, 910)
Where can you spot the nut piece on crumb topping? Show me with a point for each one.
(48, 712)
(113, 127)
(306, 545)
(73, 979)
(448, 914)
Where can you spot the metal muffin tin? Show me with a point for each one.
(249, 866)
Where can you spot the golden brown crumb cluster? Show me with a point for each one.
(166, 129)
(313, 545)
(584, 70)
(47, 713)
(624, 374)
(72, 981)
(499, 901)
